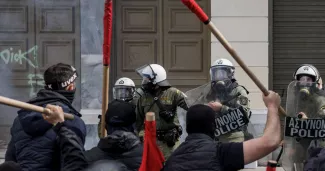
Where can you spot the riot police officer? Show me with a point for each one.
(124, 90)
(230, 95)
(304, 100)
(309, 88)
(162, 99)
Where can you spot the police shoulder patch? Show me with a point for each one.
(322, 108)
(243, 100)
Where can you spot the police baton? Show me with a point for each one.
(27, 106)
(197, 10)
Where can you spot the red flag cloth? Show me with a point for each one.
(152, 158)
(108, 18)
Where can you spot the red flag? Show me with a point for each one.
(152, 158)
(107, 23)
(108, 18)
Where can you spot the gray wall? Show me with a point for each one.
(91, 61)
(91, 49)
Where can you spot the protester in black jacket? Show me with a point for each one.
(10, 166)
(33, 141)
(71, 148)
(121, 144)
(201, 152)
(70, 145)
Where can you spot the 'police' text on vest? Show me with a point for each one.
(231, 121)
(305, 128)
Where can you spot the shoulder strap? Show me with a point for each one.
(139, 92)
(155, 99)
(160, 105)
(244, 89)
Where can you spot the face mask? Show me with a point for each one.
(149, 87)
(67, 94)
(306, 89)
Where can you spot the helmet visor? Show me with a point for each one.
(140, 70)
(220, 73)
(123, 93)
(305, 80)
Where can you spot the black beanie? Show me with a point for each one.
(120, 114)
(200, 119)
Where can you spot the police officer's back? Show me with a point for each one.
(121, 144)
(162, 99)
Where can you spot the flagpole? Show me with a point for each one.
(107, 22)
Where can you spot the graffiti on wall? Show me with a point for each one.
(9, 56)
(35, 80)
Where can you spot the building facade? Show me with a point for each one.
(271, 36)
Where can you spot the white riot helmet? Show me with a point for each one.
(124, 89)
(307, 70)
(222, 69)
(153, 74)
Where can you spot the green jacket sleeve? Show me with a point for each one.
(321, 106)
(139, 115)
(180, 99)
(240, 101)
(137, 94)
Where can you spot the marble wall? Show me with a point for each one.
(91, 66)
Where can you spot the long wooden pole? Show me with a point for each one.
(107, 23)
(31, 107)
(196, 9)
(105, 100)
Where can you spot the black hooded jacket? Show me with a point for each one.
(33, 141)
(200, 152)
(121, 146)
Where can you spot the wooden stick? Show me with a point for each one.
(197, 10)
(31, 107)
(105, 100)
(233, 53)
(150, 116)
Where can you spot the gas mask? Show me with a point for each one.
(306, 86)
(148, 86)
(221, 78)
